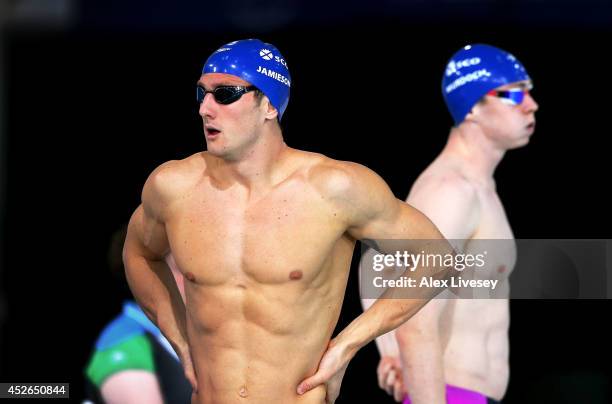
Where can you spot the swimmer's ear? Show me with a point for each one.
(476, 111)
(271, 112)
(472, 116)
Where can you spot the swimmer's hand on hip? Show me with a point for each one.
(330, 372)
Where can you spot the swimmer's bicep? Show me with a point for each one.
(400, 222)
(368, 204)
(146, 237)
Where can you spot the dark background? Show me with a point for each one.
(96, 99)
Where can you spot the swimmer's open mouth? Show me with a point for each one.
(211, 131)
(531, 125)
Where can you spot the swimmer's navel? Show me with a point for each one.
(190, 276)
(243, 392)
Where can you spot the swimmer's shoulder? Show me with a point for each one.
(174, 177)
(444, 176)
(340, 179)
(444, 186)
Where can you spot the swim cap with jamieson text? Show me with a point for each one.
(257, 62)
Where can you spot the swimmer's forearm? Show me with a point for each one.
(399, 303)
(389, 312)
(155, 289)
(386, 343)
(384, 316)
(156, 292)
(422, 364)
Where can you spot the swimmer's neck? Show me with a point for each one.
(256, 167)
(478, 156)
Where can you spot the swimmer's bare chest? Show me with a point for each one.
(257, 269)
(222, 237)
(494, 225)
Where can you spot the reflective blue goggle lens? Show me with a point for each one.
(510, 97)
(514, 96)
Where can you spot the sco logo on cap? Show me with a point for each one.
(266, 54)
(453, 67)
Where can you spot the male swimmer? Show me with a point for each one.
(456, 351)
(263, 234)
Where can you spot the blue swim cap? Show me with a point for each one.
(475, 70)
(259, 63)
